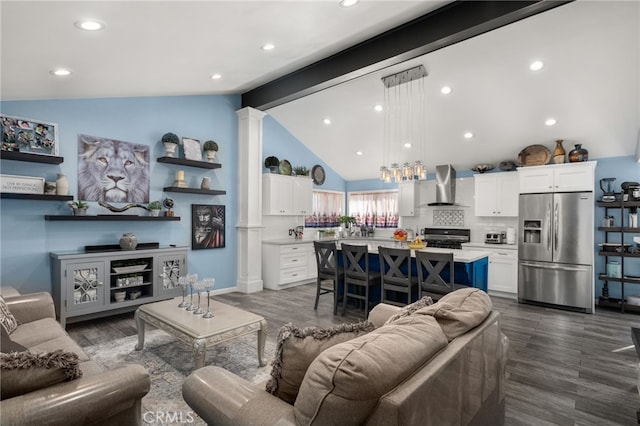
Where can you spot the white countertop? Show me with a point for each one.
(463, 256)
(490, 246)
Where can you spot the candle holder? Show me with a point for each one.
(192, 279)
(182, 281)
(208, 284)
(199, 310)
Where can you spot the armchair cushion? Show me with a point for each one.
(345, 382)
(24, 372)
(460, 311)
(297, 348)
(9, 322)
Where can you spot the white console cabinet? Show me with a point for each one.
(496, 194)
(568, 177)
(286, 195)
(85, 284)
(287, 265)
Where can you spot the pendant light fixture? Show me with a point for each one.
(404, 126)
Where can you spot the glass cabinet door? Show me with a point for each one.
(85, 285)
(171, 267)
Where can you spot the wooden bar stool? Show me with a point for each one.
(358, 279)
(395, 269)
(328, 270)
(430, 266)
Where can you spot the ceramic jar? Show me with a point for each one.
(559, 153)
(128, 242)
(206, 182)
(578, 154)
(62, 184)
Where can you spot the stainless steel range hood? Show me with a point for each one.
(445, 186)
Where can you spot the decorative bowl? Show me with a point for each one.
(481, 168)
(416, 246)
(120, 295)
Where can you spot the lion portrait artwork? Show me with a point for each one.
(111, 170)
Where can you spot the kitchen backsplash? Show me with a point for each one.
(448, 217)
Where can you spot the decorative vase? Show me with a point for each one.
(578, 154)
(211, 155)
(559, 153)
(128, 241)
(206, 183)
(170, 148)
(80, 211)
(62, 184)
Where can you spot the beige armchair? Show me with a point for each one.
(98, 397)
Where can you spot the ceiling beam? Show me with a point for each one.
(443, 27)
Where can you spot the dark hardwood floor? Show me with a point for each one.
(565, 368)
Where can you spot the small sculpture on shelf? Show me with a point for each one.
(210, 148)
(168, 204)
(170, 141)
(272, 163)
(79, 207)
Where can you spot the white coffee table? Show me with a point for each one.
(228, 323)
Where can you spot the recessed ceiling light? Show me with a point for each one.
(327, 121)
(378, 108)
(60, 72)
(468, 135)
(445, 90)
(268, 46)
(407, 145)
(89, 25)
(348, 3)
(550, 121)
(536, 65)
(359, 153)
(215, 77)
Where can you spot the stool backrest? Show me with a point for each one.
(430, 265)
(395, 265)
(355, 261)
(326, 257)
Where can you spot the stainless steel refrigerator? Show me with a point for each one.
(555, 249)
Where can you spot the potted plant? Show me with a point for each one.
(301, 171)
(210, 147)
(79, 207)
(154, 208)
(170, 141)
(272, 163)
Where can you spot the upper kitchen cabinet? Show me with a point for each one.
(496, 194)
(569, 177)
(408, 197)
(286, 195)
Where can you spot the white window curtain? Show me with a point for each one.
(327, 209)
(374, 209)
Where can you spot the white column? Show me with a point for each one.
(249, 224)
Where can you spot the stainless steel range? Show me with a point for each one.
(451, 238)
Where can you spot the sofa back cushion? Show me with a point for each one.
(459, 311)
(343, 384)
(297, 348)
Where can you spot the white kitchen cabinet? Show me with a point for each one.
(408, 198)
(568, 177)
(286, 195)
(302, 196)
(287, 265)
(496, 194)
(503, 271)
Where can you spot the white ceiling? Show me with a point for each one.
(590, 83)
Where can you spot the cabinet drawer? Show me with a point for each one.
(293, 260)
(293, 248)
(293, 274)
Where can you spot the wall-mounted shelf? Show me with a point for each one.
(194, 190)
(41, 197)
(108, 217)
(190, 163)
(32, 158)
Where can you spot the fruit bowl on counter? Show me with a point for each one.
(400, 235)
(416, 244)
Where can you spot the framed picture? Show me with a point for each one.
(192, 149)
(29, 135)
(207, 226)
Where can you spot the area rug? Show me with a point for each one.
(169, 361)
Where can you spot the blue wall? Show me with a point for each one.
(26, 238)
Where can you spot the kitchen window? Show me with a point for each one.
(377, 209)
(327, 209)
